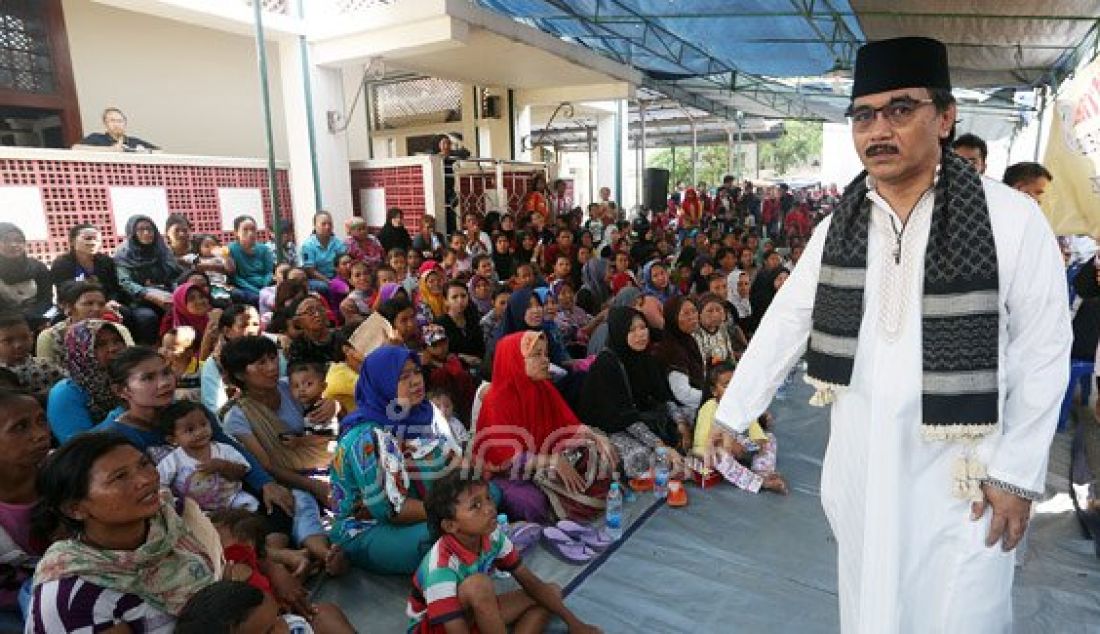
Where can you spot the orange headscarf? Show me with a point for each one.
(518, 414)
(437, 303)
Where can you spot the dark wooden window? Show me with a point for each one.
(26, 62)
(36, 76)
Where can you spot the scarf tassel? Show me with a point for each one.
(824, 392)
(968, 472)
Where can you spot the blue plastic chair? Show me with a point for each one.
(1080, 374)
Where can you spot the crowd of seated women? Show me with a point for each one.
(181, 411)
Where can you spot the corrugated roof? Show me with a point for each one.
(725, 56)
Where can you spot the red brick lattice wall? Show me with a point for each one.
(404, 187)
(75, 192)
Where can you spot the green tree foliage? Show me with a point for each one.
(799, 145)
(713, 164)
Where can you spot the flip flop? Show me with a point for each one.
(524, 536)
(677, 494)
(595, 539)
(565, 547)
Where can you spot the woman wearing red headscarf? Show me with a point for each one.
(691, 210)
(525, 425)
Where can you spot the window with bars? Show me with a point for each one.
(416, 102)
(26, 64)
(281, 7)
(353, 6)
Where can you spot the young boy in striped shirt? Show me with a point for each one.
(452, 590)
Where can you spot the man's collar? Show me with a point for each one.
(870, 180)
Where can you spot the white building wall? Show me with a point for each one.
(188, 89)
(839, 160)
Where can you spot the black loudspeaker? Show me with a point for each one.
(656, 188)
(490, 107)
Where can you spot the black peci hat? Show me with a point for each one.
(904, 62)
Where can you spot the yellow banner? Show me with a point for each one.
(1072, 200)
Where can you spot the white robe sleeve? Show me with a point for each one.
(778, 342)
(1036, 359)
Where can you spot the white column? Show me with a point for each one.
(329, 149)
(628, 197)
(605, 155)
(523, 133)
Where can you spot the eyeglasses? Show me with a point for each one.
(898, 112)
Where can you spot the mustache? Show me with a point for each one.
(882, 148)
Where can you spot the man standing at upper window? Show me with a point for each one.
(934, 304)
(115, 137)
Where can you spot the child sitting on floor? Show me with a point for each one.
(446, 424)
(214, 264)
(356, 306)
(452, 590)
(242, 537)
(490, 322)
(342, 377)
(16, 343)
(746, 460)
(571, 319)
(234, 606)
(713, 336)
(177, 346)
(307, 386)
(208, 472)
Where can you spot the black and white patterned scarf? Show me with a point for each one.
(959, 322)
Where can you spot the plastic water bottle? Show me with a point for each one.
(613, 523)
(660, 474)
(502, 522)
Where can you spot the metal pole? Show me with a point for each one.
(619, 116)
(729, 151)
(672, 174)
(591, 172)
(694, 152)
(740, 165)
(303, 49)
(368, 109)
(1042, 112)
(641, 155)
(694, 146)
(511, 124)
(265, 98)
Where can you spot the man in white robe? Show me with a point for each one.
(912, 556)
